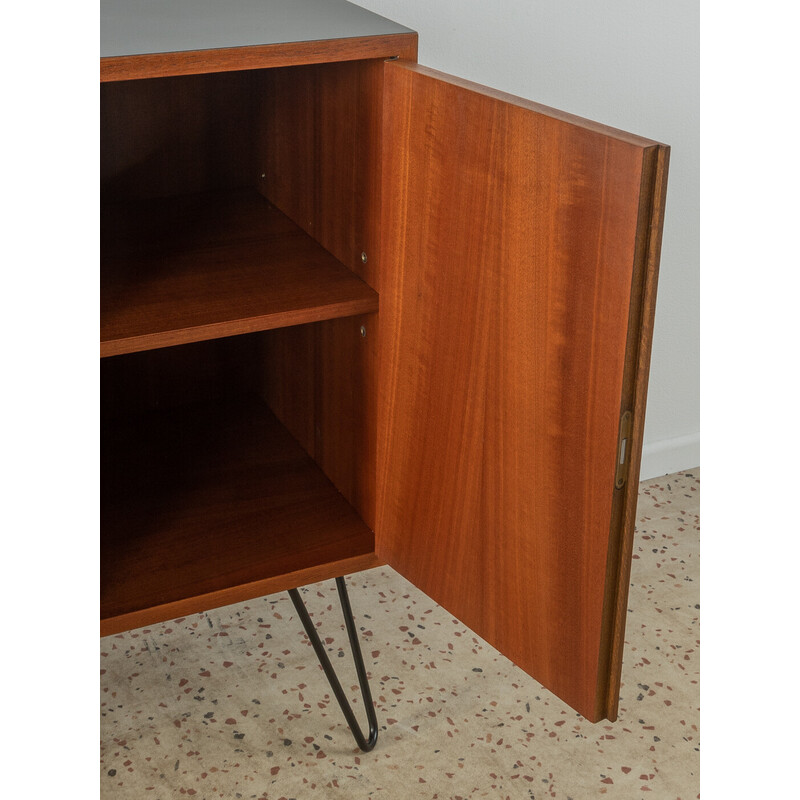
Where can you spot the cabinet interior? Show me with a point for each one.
(260, 422)
(239, 298)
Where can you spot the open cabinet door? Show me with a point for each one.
(518, 272)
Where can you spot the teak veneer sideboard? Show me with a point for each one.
(358, 312)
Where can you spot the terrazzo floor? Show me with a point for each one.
(233, 704)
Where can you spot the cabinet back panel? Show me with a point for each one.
(288, 380)
(171, 377)
(166, 136)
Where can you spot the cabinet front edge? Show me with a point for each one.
(196, 604)
(230, 59)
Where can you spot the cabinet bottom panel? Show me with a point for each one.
(212, 504)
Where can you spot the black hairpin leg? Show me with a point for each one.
(365, 744)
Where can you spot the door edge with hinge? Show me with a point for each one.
(631, 427)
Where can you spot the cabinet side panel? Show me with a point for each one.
(504, 322)
(319, 152)
(345, 414)
(318, 133)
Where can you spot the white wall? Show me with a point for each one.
(632, 64)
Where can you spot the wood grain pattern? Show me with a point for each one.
(187, 269)
(319, 145)
(345, 409)
(159, 65)
(319, 150)
(504, 324)
(318, 381)
(213, 504)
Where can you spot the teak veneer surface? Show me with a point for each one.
(213, 504)
(504, 319)
(184, 269)
(319, 140)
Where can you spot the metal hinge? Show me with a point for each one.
(623, 449)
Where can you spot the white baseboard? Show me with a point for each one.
(670, 455)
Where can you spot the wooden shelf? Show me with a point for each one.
(213, 504)
(186, 269)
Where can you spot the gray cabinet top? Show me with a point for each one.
(137, 27)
